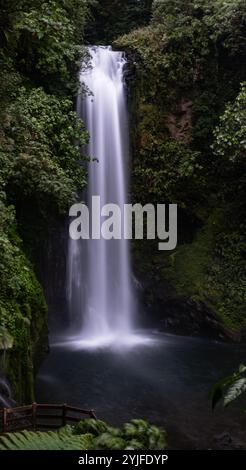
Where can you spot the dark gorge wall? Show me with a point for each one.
(179, 85)
(53, 274)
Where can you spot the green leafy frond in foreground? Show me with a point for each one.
(28, 440)
(89, 435)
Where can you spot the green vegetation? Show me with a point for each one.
(41, 49)
(187, 99)
(112, 18)
(62, 440)
(22, 308)
(229, 388)
(90, 435)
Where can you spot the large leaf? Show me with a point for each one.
(217, 391)
(140, 434)
(229, 388)
(92, 426)
(107, 441)
(235, 391)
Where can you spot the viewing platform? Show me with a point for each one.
(38, 417)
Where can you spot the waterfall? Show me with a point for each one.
(99, 273)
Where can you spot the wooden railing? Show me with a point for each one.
(41, 417)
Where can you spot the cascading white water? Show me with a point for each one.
(99, 274)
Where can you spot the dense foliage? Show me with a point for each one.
(188, 131)
(41, 49)
(187, 97)
(115, 17)
(90, 435)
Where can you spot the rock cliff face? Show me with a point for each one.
(23, 320)
(21, 354)
(162, 308)
(179, 122)
(182, 291)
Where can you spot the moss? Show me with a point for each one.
(207, 271)
(178, 90)
(23, 311)
(18, 361)
(188, 266)
(194, 271)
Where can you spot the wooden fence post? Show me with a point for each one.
(64, 414)
(93, 414)
(34, 416)
(5, 424)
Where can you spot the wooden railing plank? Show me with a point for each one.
(49, 406)
(18, 415)
(79, 410)
(21, 428)
(19, 418)
(45, 416)
(18, 409)
(48, 426)
(73, 419)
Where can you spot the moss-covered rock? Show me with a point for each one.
(23, 312)
(179, 82)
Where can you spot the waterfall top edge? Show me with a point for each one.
(100, 46)
(97, 48)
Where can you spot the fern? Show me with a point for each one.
(89, 435)
(62, 440)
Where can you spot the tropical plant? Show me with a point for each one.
(93, 426)
(140, 432)
(89, 435)
(46, 38)
(43, 142)
(230, 135)
(188, 139)
(41, 49)
(137, 434)
(115, 17)
(62, 440)
(229, 388)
